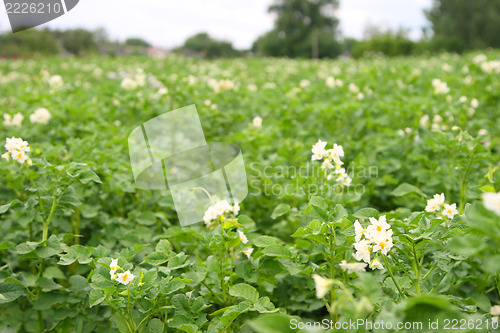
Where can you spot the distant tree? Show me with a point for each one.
(384, 41)
(209, 47)
(459, 25)
(78, 41)
(302, 29)
(28, 43)
(137, 42)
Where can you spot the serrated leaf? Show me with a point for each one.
(280, 210)
(277, 251)
(155, 326)
(405, 188)
(366, 212)
(10, 292)
(244, 291)
(96, 297)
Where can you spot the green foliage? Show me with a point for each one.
(460, 25)
(388, 43)
(28, 43)
(303, 29)
(207, 47)
(65, 217)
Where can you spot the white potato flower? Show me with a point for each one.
(362, 251)
(424, 121)
(432, 206)
(440, 87)
(383, 245)
(479, 58)
(491, 201)
(359, 230)
(376, 264)
(114, 264)
(495, 310)
(6, 156)
(304, 83)
(125, 277)
(128, 84)
(242, 237)
(353, 88)
(474, 103)
(15, 120)
(20, 156)
(41, 116)
(17, 149)
(356, 267)
(318, 150)
(248, 252)
(327, 164)
(236, 209)
(56, 82)
(439, 198)
(377, 226)
(450, 210)
(330, 82)
(252, 87)
(322, 285)
(257, 122)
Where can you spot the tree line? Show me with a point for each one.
(302, 29)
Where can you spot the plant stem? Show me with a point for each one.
(465, 179)
(129, 309)
(40, 320)
(386, 262)
(333, 242)
(417, 271)
(45, 233)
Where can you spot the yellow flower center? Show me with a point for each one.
(20, 155)
(382, 245)
(124, 277)
(379, 228)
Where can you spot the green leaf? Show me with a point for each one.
(233, 312)
(47, 300)
(10, 292)
(6, 207)
(405, 188)
(280, 210)
(156, 258)
(70, 200)
(121, 324)
(277, 251)
(96, 297)
(366, 212)
(78, 283)
(5, 245)
(47, 284)
(272, 323)
(164, 246)
(339, 212)
(318, 202)
(155, 326)
(88, 176)
(245, 291)
(263, 241)
(174, 285)
(146, 218)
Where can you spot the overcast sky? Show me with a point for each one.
(167, 23)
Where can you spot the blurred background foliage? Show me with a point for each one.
(302, 29)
